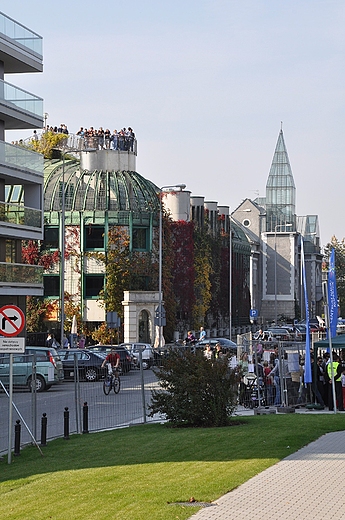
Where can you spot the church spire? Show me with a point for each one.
(280, 190)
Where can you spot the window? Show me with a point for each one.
(51, 285)
(246, 222)
(51, 238)
(139, 239)
(94, 237)
(93, 285)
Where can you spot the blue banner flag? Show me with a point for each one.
(332, 297)
(307, 363)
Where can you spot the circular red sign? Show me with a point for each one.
(12, 320)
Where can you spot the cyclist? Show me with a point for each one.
(112, 360)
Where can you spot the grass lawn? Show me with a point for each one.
(138, 473)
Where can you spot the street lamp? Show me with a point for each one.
(230, 277)
(275, 267)
(160, 312)
(63, 151)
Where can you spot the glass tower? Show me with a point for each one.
(280, 191)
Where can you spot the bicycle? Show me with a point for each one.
(112, 380)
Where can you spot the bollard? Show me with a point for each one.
(66, 424)
(85, 418)
(44, 430)
(17, 429)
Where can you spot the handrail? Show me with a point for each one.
(21, 158)
(22, 99)
(20, 34)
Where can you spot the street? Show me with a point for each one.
(104, 411)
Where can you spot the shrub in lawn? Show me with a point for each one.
(195, 391)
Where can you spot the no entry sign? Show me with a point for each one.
(12, 320)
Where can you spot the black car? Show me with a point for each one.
(126, 358)
(89, 363)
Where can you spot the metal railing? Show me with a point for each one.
(80, 143)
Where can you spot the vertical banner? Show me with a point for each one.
(307, 365)
(332, 297)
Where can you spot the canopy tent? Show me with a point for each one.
(337, 342)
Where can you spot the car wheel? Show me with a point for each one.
(91, 375)
(40, 383)
(145, 364)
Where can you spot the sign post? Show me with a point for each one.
(12, 321)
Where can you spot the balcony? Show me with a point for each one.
(25, 279)
(19, 108)
(20, 215)
(20, 48)
(20, 164)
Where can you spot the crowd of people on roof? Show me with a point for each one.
(102, 139)
(117, 140)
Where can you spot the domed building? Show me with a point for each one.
(104, 197)
(102, 190)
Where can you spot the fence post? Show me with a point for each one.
(44, 430)
(85, 418)
(66, 423)
(17, 430)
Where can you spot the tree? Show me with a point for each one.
(195, 391)
(47, 142)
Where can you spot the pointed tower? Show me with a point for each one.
(280, 191)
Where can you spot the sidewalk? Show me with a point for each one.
(308, 485)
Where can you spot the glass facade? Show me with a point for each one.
(280, 191)
(20, 34)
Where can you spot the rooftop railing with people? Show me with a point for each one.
(122, 143)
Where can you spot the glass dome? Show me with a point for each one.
(118, 191)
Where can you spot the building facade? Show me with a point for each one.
(275, 233)
(21, 170)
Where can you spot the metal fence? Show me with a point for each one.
(88, 408)
(274, 376)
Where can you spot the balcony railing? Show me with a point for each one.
(20, 34)
(20, 215)
(22, 99)
(21, 274)
(77, 143)
(21, 158)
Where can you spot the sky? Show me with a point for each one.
(206, 86)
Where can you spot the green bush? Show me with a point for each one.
(195, 391)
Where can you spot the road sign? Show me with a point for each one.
(254, 313)
(12, 320)
(160, 316)
(12, 345)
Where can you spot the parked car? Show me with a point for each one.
(49, 369)
(226, 344)
(341, 326)
(300, 332)
(147, 353)
(280, 333)
(316, 325)
(126, 358)
(89, 364)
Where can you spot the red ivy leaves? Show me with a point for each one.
(31, 255)
(184, 272)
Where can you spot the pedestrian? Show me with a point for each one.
(337, 371)
(202, 334)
